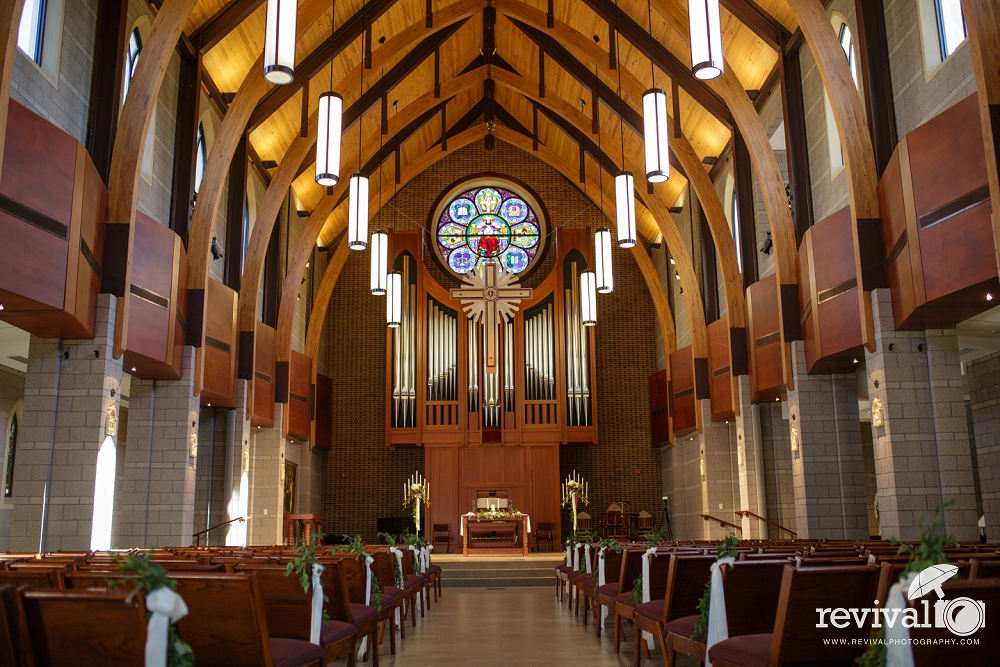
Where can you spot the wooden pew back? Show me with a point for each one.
(612, 566)
(36, 578)
(631, 569)
(927, 653)
(686, 580)
(752, 592)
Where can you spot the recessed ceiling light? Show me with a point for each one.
(989, 297)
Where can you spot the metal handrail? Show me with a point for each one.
(722, 522)
(197, 536)
(748, 513)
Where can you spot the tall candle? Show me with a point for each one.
(586, 490)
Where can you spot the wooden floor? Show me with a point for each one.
(515, 627)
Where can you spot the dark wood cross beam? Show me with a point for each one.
(212, 31)
(759, 21)
(311, 65)
(665, 60)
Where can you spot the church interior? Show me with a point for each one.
(285, 266)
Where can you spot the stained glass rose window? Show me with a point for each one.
(488, 223)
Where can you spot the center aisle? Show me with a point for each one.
(510, 627)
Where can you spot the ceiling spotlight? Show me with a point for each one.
(989, 297)
(672, 261)
(855, 360)
(677, 276)
(209, 405)
(1, 306)
(133, 369)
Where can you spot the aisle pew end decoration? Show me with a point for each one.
(309, 572)
(575, 491)
(415, 491)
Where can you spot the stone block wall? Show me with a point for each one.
(11, 391)
(983, 376)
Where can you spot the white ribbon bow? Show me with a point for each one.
(646, 562)
(316, 620)
(166, 607)
(569, 555)
(601, 581)
(718, 626)
(586, 557)
(576, 557)
(399, 584)
(898, 651)
(368, 598)
(427, 556)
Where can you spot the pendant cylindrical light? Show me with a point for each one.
(602, 261)
(588, 298)
(330, 113)
(625, 208)
(279, 41)
(654, 117)
(707, 61)
(357, 216)
(394, 300)
(380, 260)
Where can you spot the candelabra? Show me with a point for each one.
(416, 490)
(574, 491)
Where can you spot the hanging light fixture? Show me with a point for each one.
(654, 121)
(605, 280)
(394, 300)
(624, 183)
(707, 61)
(357, 218)
(279, 41)
(329, 125)
(380, 258)
(588, 298)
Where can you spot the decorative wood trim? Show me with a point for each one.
(105, 94)
(796, 143)
(876, 79)
(743, 174)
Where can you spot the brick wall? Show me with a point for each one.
(360, 474)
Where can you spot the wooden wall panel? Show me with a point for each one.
(156, 299)
(472, 465)
(545, 489)
(441, 466)
(766, 374)
(221, 340)
(720, 376)
(828, 284)
(262, 412)
(682, 397)
(52, 211)
(299, 406)
(322, 427)
(659, 407)
(935, 194)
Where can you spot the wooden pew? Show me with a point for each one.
(984, 569)
(36, 578)
(795, 637)
(227, 624)
(983, 654)
(612, 570)
(15, 646)
(364, 617)
(678, 608)
(631, 569)
(659, 569)
(70, 628)
(385, 568)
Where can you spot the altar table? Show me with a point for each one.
(511, 536)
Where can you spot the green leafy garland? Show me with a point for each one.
(415, 541)
(637, 591)
(397, 572)
(614, 545)
(139, 569)
(727, 548)
(302, 564)
(933, 540)
(356, 545)
(655, 537)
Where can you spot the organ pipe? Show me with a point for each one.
(404, 391)
(577, 355)
(473, 339)
(442, 352)
(539, 379)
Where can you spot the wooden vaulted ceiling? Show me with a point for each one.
(568, 74)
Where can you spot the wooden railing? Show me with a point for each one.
(722, 522)
(748, 513)
(197, 536)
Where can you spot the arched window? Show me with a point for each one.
(132, 57)
(201, 155)
(31, 32)
(8, 477)
(481, 223)
(950, 24)
(846, 40)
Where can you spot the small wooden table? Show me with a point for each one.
(500, 536)
(304, 524)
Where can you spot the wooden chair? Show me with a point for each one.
(752, 589)
(71, 628)
(544, 532)
(584, 521)
(227, 623)
(644, 522)
(928, 653)
(795, 637)
(678, 609)
(441, 535)
(289, 609)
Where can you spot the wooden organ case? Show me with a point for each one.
(497, 430)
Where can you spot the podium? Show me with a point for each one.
(301, 524)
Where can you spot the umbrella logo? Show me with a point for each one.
(931, 579)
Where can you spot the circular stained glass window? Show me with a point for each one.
(488, 223)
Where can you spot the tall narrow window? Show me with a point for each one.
(951, 25)
(201, 155)
(8, 477)
(736, 231)
(32, 29)
(847, 42)
(246, 231)
(132, 58)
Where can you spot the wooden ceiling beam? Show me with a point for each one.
(312, 64)
(762, 24)
(664, 59)
(224, 21)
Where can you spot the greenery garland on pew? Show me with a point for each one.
(147, 577)
(397, 572)
(606, 543)
(356, 545)
(417, 541)
(654, 538)
(933, 540)
(302, 564)
(727, 548)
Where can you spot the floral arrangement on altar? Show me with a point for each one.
(415, 491)
(494, 513)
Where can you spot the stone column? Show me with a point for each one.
(67, 393)
(210, 477)
(827, 460)
(984, 390)
(159, 489)
(749, 462)
(266, 483)
(922, 454)
(718, 474)
(237, 480)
